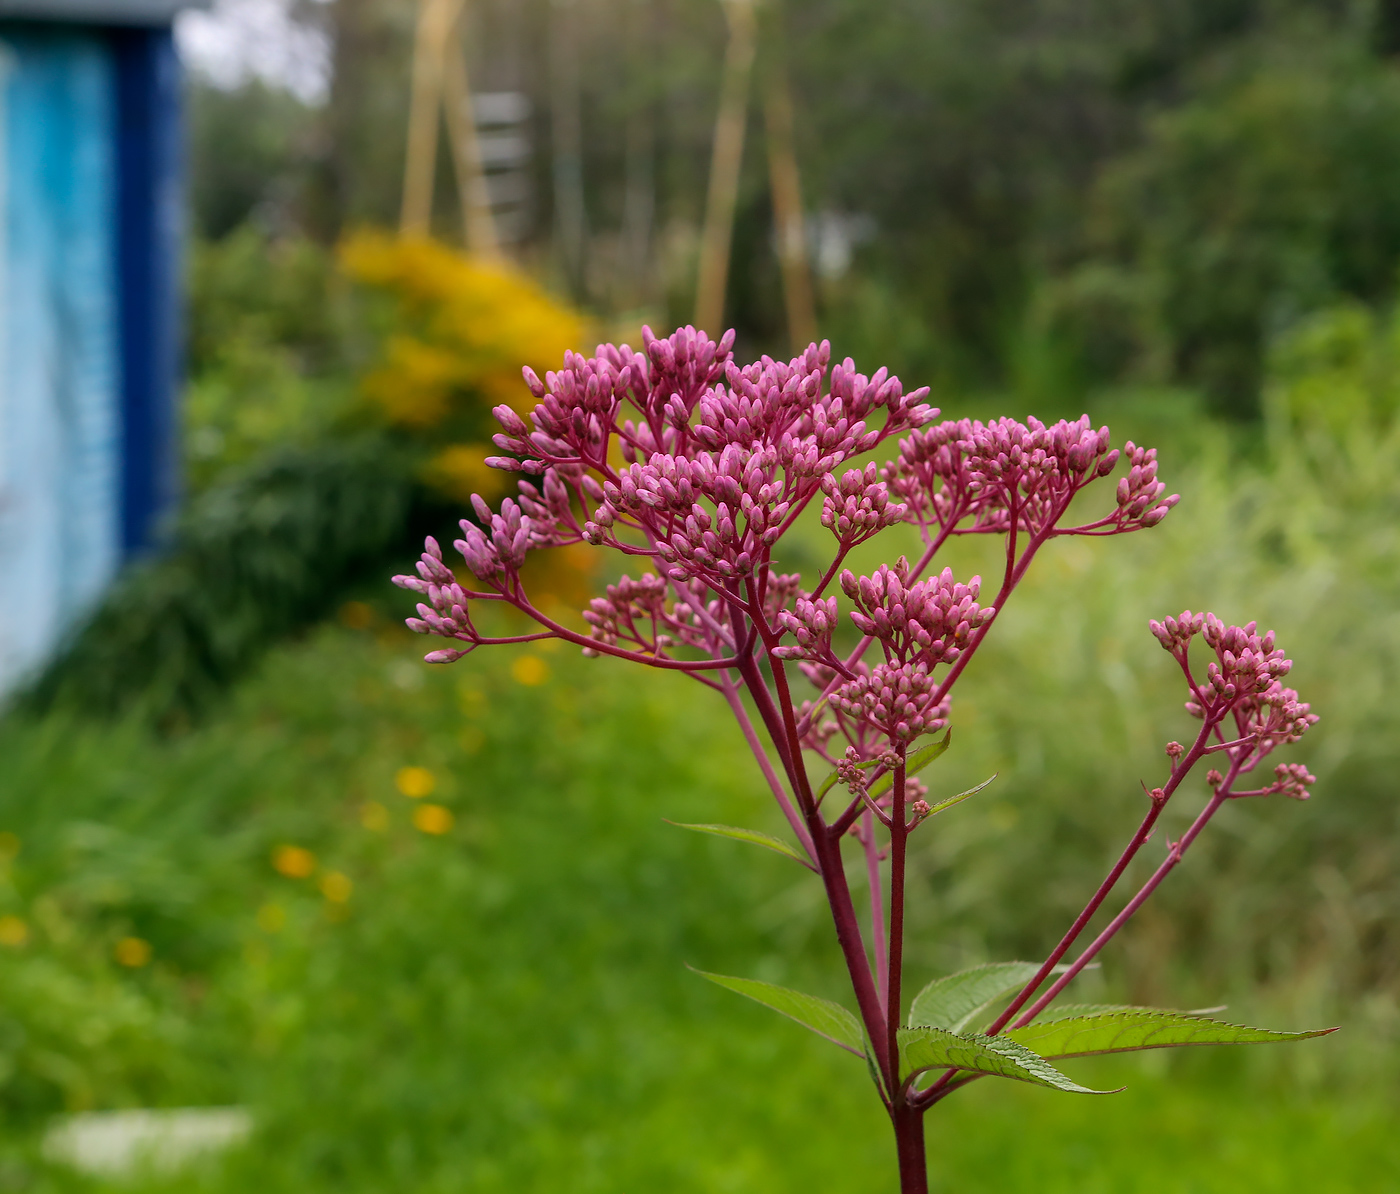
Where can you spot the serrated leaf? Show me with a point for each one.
(928, 1048)
(961, 796)
(912, 765)
(955, 1000)
(766, 840)
(823, 1017)
(1066, 1011)
(1141, 1028)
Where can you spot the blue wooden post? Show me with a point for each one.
(90, 252)
(149, 234)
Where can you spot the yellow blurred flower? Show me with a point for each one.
(374, 816)
(530, 670)
(356, 615)
(415, 782)
(467, 327)
(133, 952)
(13, 932)
(432, 818)
(336, 887)
(293, 861)
(461, 470)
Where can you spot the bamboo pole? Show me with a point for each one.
(478, 225)
(566, 135)
(788, 219)
(728, 155)
(436, 20)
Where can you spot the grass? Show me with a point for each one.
(503, 1006)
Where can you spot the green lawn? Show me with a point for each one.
(503, 1006)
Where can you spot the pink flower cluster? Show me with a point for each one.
(1243, 683)
(993, 476)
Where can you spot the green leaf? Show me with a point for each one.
(961, 796)
(1141, 1028)
(766, 840)
(929, 1048)
(823, 1017)
(955, 1000)
(913, 764)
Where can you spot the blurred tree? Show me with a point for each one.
(248, 147)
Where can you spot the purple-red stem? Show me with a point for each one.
(877, 906)
(794, 818)
(1144, 831)
(1174, 856)
(899, 840)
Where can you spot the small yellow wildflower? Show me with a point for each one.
(530, 670)
(374, 816)
(432, 818)
(293, 861)
(133, 952)
(13, 932)
(336, 887)
(415, 782)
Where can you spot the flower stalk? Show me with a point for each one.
(680, 460)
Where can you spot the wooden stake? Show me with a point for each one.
(788, 219)
(478, 226)
(728, 156)
(436, 20)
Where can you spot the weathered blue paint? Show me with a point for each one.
(90, 239)
(59, 389)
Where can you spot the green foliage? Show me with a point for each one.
(412, 1037)
(766, 840)
(956, 1000)
(1270, 192)
(1122, 1030)
(248, 155)
(265, 553)
(267, 352)
(823, 1017)
(927, 1048)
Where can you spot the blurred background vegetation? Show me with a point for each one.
(428, 923)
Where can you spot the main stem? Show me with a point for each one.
(899, 835)
(909, 1144)
(908, 1121)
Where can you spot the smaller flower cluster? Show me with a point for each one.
(1141, 500)
(927, 622)
(578, 406)
(1243, 681)
(812, 624)
(1293, 780)
(1034, 470)
(445, 611)
(500, 543)
(987, 471)
(858, 505)
(896, 698)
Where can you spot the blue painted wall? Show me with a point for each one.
(60, 419)
(90, 233)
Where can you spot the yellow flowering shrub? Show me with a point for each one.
(460, 330)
